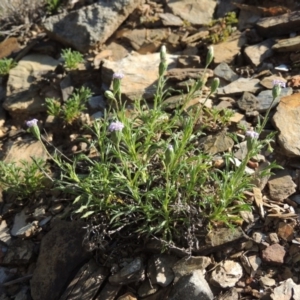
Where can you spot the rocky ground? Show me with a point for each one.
(45, 256)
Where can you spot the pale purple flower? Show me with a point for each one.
(115, 126)
(31, 123)
(279, 82)
(118, 75)
(252, 134)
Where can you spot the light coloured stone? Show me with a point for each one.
(193, 11)
(188, 264)
(284, 291)
(140, 74)
(287, 121)
(23, 90)
(281, 186)
(259, 52)
(226, 274)
(23, 150)
(240, 86)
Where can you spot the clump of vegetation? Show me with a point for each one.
(53, 6)
(222, 28)
(6, 64)
(23, 181)
(72, 108)
(148, 176)
(72, 58)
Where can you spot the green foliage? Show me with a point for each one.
(6, 64)
(222, 28)
(148, 174)
(53, 5)
(53, 107)
(72, 108)
(71, 58)
(25, 181)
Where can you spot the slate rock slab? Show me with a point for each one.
(225, 72)
(288, 45)
(240, 86)
(61, 253)
(85, 27)
(265, 99)
(278, 25)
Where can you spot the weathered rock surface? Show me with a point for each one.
(188, 265)
(160, 269)
(259, 52)
(132, 272)
(226, 274)
(217, 143)
(20, 252)
(265, 98)
(225, 72)
(140, 74)
(170, 20)
(193, 11)
(87, 282)
(273, 254)
(285, 290)
(287, 45)
(286, 120)
(94, 23)
(24, 92)
(239, 86)
(278, 25)
(16, 151)
(226, 51)
(281, 186)
(192, 287)
(61, 253)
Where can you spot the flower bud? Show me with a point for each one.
(169, 155)
(162, 68)
(163, 53)
(276, 91)
(109, 95)
(214, 85)
(210, 55)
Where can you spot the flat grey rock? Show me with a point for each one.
(240, 86)
(225, 72)
(265, 98)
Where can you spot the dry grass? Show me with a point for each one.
(19, 12)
